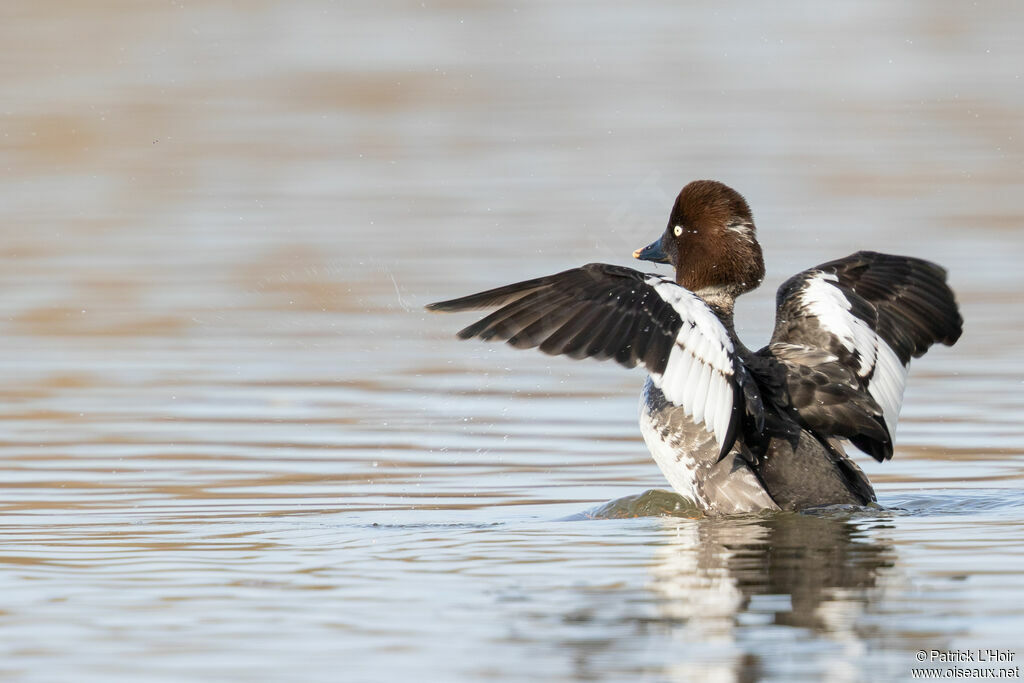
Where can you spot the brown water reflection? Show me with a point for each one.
(234, 447)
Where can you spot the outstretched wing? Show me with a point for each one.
(603, 311)
(847, 329)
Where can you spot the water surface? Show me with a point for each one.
(235, 448)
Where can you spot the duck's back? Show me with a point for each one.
(812, 473)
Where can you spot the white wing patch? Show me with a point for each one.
(880, 367)
(698, 375)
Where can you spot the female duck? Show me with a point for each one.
(732, 429)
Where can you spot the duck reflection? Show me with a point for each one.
(726, 582)
(785, 596)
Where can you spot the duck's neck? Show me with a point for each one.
(722, 303)
(720, 300)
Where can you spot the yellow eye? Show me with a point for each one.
(677, 231)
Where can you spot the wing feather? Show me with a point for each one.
(701, 405)
(847, 330)
(609, 312)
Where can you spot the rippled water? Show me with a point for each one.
(235, 448)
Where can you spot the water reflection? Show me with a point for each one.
(725, 581)
(724, 595)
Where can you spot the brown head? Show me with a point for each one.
(711, 241)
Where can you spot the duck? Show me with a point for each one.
(737, 431)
